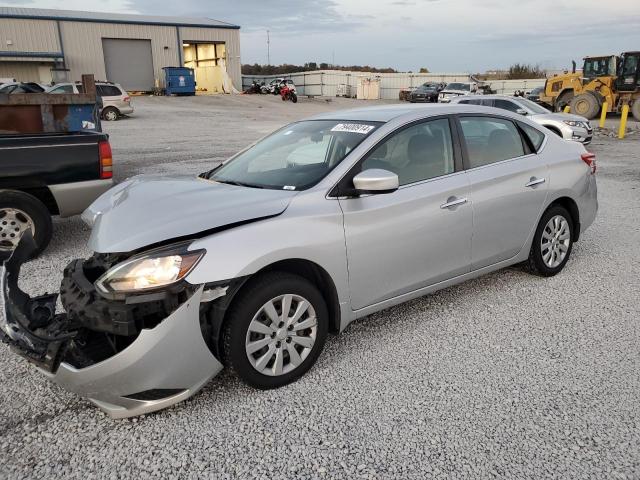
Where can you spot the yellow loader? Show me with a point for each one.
(614, 79)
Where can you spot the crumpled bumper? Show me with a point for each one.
(171, 357)
(162, 366)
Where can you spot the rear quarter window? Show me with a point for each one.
(535, 135)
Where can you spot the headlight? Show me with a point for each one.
(155, 269)
(573, 123)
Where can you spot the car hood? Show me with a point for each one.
(148, 209)
(559, 117)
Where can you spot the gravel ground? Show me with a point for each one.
(507, 376)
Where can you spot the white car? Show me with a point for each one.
(457, 89)
(116, 102)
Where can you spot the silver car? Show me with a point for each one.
(327, 220)
(567, 126)
(116, 102)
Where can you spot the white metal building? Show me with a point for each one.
(43, 45)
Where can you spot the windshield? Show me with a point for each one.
(533, 106)
(427, 86)
(295, 157)
(458, 86)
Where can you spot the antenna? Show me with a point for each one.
(268, 49)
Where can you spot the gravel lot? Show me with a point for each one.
(507, 376)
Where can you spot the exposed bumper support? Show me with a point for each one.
(162, 366)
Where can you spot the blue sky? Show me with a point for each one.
(442, 35)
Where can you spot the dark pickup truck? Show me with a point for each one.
(45, 174)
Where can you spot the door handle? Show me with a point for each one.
(452, 202)
(533, 181)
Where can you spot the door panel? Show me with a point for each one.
(505, 210)
(402, 241)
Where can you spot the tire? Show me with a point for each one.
(19, 211)
(635, 109)
(249, 309)
(562, 101)
(110, 114)
(585, 105)
(294, 98)
(539, 262)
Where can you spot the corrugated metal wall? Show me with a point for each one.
(21, 71)
(83, 46)
(231, 38)
(28, 35)
(82, 42)
(326, 82)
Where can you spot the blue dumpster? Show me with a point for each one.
(179, 81)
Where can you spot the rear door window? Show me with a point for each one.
(62, 89)
(489, 140)
(108, 91)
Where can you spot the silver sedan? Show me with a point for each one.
(565, 125)
(250, 265)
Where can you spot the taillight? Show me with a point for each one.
(106, 162)
(127, 99)
(590, 160)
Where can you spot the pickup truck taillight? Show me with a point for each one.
(590, 160)
(106, 162)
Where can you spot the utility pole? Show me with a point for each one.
(268, 49)
(333, 58)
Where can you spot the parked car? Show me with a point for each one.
(456, 89)
(325, 221)
(565, 125)
(116, 102)
(427, 92)
(534, 95)
(49, 174)
(21, 87)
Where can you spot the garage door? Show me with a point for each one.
(129, 63)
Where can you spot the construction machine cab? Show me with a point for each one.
(595, 67)
(628, 79)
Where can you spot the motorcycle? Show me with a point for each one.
(288, 92)
(254, 88)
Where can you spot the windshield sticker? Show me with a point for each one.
(353, 128)
(289, 187)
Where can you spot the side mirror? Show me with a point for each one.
(376, 180)
(522, 111)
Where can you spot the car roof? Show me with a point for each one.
(386, 113)
(486, 97)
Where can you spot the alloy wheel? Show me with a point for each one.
(555, 241)
(281, 335)
(13, 223)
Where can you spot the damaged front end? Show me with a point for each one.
(128, 353)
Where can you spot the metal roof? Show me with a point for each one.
(100, 17)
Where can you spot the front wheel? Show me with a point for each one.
(552, 242)
(294, 98)
(275, 330)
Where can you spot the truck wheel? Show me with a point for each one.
(20, 212)
(563, 100)
(585, 105)
(110, 114)
(635, 109)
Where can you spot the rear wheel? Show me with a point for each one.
(20, 212)
(585, 105)
(635, 109)
(275, 330)
(110, 114)
(552, 242)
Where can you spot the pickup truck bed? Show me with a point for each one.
(48, 174)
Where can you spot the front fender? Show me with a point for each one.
(310, 229)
